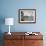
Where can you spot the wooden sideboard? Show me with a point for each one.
(20, 39)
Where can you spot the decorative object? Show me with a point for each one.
(9, 21)
(27, 15)
(30, 33)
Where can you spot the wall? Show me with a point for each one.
(9, 8)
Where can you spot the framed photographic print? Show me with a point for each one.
(27, 15)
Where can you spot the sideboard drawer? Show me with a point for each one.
(34, 37)
(13, 42)
(10, 42)
(33, 43)
(16, 37)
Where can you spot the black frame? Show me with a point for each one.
(26, 10)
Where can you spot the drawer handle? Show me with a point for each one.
(33, 42)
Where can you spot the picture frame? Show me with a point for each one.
(27, 15)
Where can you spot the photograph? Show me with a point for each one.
(27, 15)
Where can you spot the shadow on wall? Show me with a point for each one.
(2, 21)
